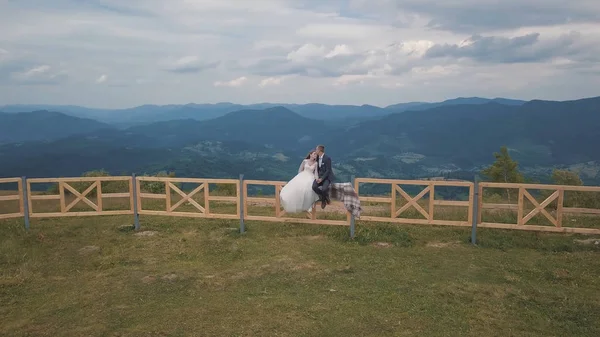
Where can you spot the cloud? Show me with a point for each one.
(39, 75)
(233, 83)
(191, 64)
(520, 49)
(479, 16)
(270, 81)
(349, 51)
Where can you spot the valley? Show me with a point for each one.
(453, 139)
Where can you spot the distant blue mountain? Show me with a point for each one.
(419, 106)
(44, 126)
(146, 114)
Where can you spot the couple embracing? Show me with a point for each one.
(311, 184)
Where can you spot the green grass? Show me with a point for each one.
(291, 280)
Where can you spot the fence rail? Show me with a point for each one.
(66, 185)
(11, 197)
(91, 196)
(199, 211)
(555, 217)
(397, 194)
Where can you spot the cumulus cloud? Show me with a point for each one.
(270, 81)
(336, 51)
(479, 16)
(42, 75)
(190, 64)
(233, 83)
(497, 49)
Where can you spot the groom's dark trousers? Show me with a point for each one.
(326, 175)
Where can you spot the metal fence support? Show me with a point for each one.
(352, 220)
(475, 211)
(136, 215)
(241, 192)
(25, 201)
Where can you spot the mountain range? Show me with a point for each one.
(146, 114)
(267, 141)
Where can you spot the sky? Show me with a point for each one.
(117, 54)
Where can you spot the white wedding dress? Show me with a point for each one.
(297, 195)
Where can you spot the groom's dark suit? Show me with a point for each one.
(326, 175)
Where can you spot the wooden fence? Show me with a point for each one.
(554, 217)
(15, 195)
(199, 211)
(399, 196)
(86, 196)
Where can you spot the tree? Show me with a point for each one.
(566, 177)
(571, 198)
(504, 170)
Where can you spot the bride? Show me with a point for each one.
(297, 195)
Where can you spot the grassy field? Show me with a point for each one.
(96, 276)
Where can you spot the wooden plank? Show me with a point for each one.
(456, 203)
(138, 194)
(10, 197)
(260, 199)
(500, 206)
(45, 197)
(479, 204)
(431, 202)
(245, 199)
(76, 214)
(99, 195)
(76, 179)
(409, 221)
(11, 215)
(264, 182)
(277, 201)
(168, 196)
(206, 199)
(21, 201)
(188, 180)
(190, 214)
(375, 199)
(521, 206)
(575, 230)
(63, 203)
(413, 182)
(541, 186)
(152, 196)
(132, 200)
(392, 200)
(225, 199)
(29, 202)
(559, 207)
(576, 210)
(470, 204)
(299, 220)
(238, 208)
(9, 180)
(115, 195)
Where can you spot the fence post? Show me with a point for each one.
(136, 215)
(25, 196)
(352, 220)
(241, 192)
(475, 211)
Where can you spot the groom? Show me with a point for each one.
(326, 176)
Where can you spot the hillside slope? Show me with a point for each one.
(44, 125)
